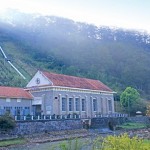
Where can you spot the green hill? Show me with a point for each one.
(117, 57)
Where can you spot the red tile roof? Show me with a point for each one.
(13, 92)
(76, 82)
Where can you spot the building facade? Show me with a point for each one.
(15, 101)
(57, 94)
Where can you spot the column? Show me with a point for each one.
(80, 107)
(60, 104)
(67, 107)
(102, 112)
(113, 109)
(87, 106)
(106, 105)
(74, 104)
(91, 101)
(43, 104)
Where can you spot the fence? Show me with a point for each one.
(46, 117)
(69, 116)
(111, 115)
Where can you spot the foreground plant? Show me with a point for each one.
(121, 142)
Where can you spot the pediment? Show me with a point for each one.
(39, 79)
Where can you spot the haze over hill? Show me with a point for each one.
(117, 57)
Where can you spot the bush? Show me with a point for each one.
(123, 142)
(7, 122)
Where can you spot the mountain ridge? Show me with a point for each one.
(117, 57)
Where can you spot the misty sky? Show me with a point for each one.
(132, 14)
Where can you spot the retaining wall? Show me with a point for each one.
(31, 127)
(105, 121)
(41, 126)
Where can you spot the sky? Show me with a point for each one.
(129, 14)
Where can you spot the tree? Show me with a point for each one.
(129, 99)
(148, 110)
(7, 122)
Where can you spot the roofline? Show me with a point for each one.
(45, 87)
(15, 97)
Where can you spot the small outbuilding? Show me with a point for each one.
(15, 101)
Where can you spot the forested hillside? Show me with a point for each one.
(117, 57)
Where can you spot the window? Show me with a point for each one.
(83, 104)
(7, 99)
(18, 100)
(70, 104)
(77, 104)
(109, 105)
(8, 109)
(94, 104)
(64, 104)
(26, 107)
(18, 110)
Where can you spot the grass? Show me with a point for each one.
(130, 125)
(121, 142)
(6, 143)
(146, 143)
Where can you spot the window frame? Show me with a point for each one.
(109, 105)
(70, 104)
(63, 105)
(95, 108)
(83, 104)
(77, 104)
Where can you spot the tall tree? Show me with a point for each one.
(129, 99)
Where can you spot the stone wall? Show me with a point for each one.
(106, 121)
(31, 127)
(140, 119)
(41, 126)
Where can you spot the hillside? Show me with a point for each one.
(117, 57)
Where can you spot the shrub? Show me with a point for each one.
(71, 144)
(7, 122)
(123, 142)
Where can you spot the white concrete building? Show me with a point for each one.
(63, 95)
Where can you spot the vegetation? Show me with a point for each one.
(130, 101)
(6, 143)
(63, 46)
(7, 122)
(72, 144)
(130, 125)
(148, 110)
(121, 142)
(124, 142)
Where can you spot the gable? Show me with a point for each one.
(39, 79)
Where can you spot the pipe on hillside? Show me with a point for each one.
(11, 63)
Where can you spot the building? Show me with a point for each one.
(57, 94)
(16, 101)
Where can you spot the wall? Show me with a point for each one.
(140, 119)
(55, 104)
(104, 122)
(31, 127)
(13, 104)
